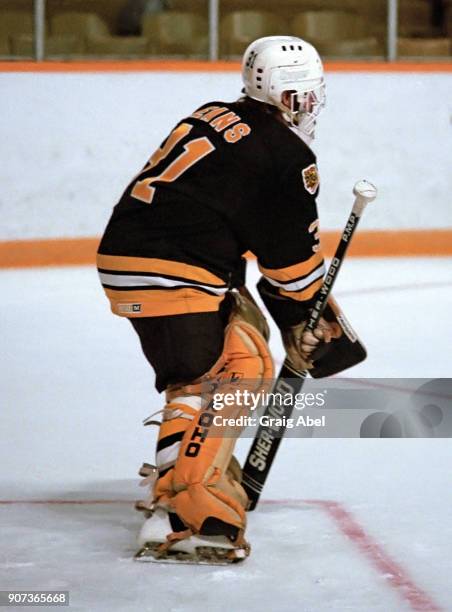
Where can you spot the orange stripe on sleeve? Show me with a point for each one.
(290, 273)
(306, 294)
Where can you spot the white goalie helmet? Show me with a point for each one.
(275, 64)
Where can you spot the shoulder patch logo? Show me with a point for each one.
(311, 178)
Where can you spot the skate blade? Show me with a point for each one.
(202, 555)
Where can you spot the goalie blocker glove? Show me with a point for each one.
(344, 349)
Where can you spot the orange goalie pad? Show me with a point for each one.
(200, 489)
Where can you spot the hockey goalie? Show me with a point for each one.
(230, 178)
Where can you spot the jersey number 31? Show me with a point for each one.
(194, 150)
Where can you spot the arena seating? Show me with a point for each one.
(120, 46)
(239, 28)
(335, 33)
(339, 28)
(448, 19)
(415, 18)
(424, 47)
(106, 9)
(4, 46)
(176, 33)
(58, 45)
(13, 23)
(96, 35)
(86, 24)
(200, 7)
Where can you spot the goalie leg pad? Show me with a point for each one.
(194, 481)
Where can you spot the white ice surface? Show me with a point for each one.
(75, 388)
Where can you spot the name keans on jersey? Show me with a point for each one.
(220, 118)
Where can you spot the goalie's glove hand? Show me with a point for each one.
(304, 347)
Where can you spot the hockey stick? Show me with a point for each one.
(266, 442)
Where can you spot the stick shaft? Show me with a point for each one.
(333, 270)
(266, 442)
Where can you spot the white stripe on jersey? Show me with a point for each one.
(299, 284)
(123, 280)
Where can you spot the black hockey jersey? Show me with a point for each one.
(230, 178)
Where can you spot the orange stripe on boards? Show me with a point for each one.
(121, 66)
(393, 243)
(206, 66)
(408, 66)
(366, 243)
(48, 252)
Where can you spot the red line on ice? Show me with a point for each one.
(63, 502)
(389, 569)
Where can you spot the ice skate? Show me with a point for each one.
(164, 539)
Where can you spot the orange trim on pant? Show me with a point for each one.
(366, 243)
(156, 302)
